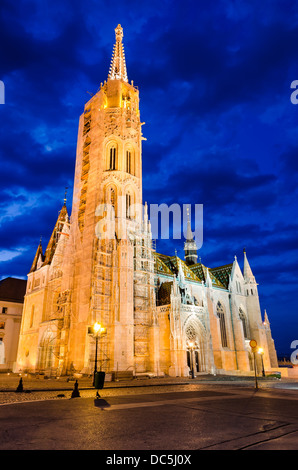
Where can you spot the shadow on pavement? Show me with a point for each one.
(101, 403)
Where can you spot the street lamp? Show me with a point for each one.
(191, 347)
(97, 330)
(261, 352)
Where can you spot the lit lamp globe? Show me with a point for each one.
(96, 327)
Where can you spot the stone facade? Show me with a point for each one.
(100, 266)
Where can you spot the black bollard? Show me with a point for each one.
(20, 386)
(75, 392)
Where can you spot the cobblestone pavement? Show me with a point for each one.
(39, 389)
(50, 389)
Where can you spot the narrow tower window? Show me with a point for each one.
(223, 332)
(112, 158)
(128, 161)
(128, 204)
(111, 198)
(243, 318)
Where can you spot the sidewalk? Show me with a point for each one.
(40, 389)
(9, 382)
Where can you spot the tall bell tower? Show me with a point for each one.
(108, 164)
(98, 266)
(104, 222)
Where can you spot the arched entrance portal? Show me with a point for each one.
(45, 353)
(195, 347)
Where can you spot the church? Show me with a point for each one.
(159, 314)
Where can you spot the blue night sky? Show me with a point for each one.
(215, 86)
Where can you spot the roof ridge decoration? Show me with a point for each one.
(118, 65)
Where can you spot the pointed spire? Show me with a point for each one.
(62, 218)
(180, 276)
(247, 272)
(38, 255)
(118, 66)
(189, 235)
(190, 246)
(65, 194)
(266, 319)
(208, 279)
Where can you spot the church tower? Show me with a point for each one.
(104, 273)
(104, 219)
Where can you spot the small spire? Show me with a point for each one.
(190, 246)
(247, 272)
(266, 319)
(118, 66)
(38, 255)
(65, 194)
(189, 234)
(50, 250)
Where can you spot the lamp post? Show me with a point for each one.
(253, 344)
(261, 352)
(97, 331)
(191, 347)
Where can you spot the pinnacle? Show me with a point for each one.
(247, 272)
(118, 66)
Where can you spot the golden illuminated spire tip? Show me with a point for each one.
(118, 66)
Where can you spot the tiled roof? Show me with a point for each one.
(165, 264)
(160, 266)
(222, 273)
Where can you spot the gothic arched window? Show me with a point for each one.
(223, 332)
(128, 204)
(128, 162)
(112, 155)
(243, 318)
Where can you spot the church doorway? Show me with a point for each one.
(45, 353)
(195, 356)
